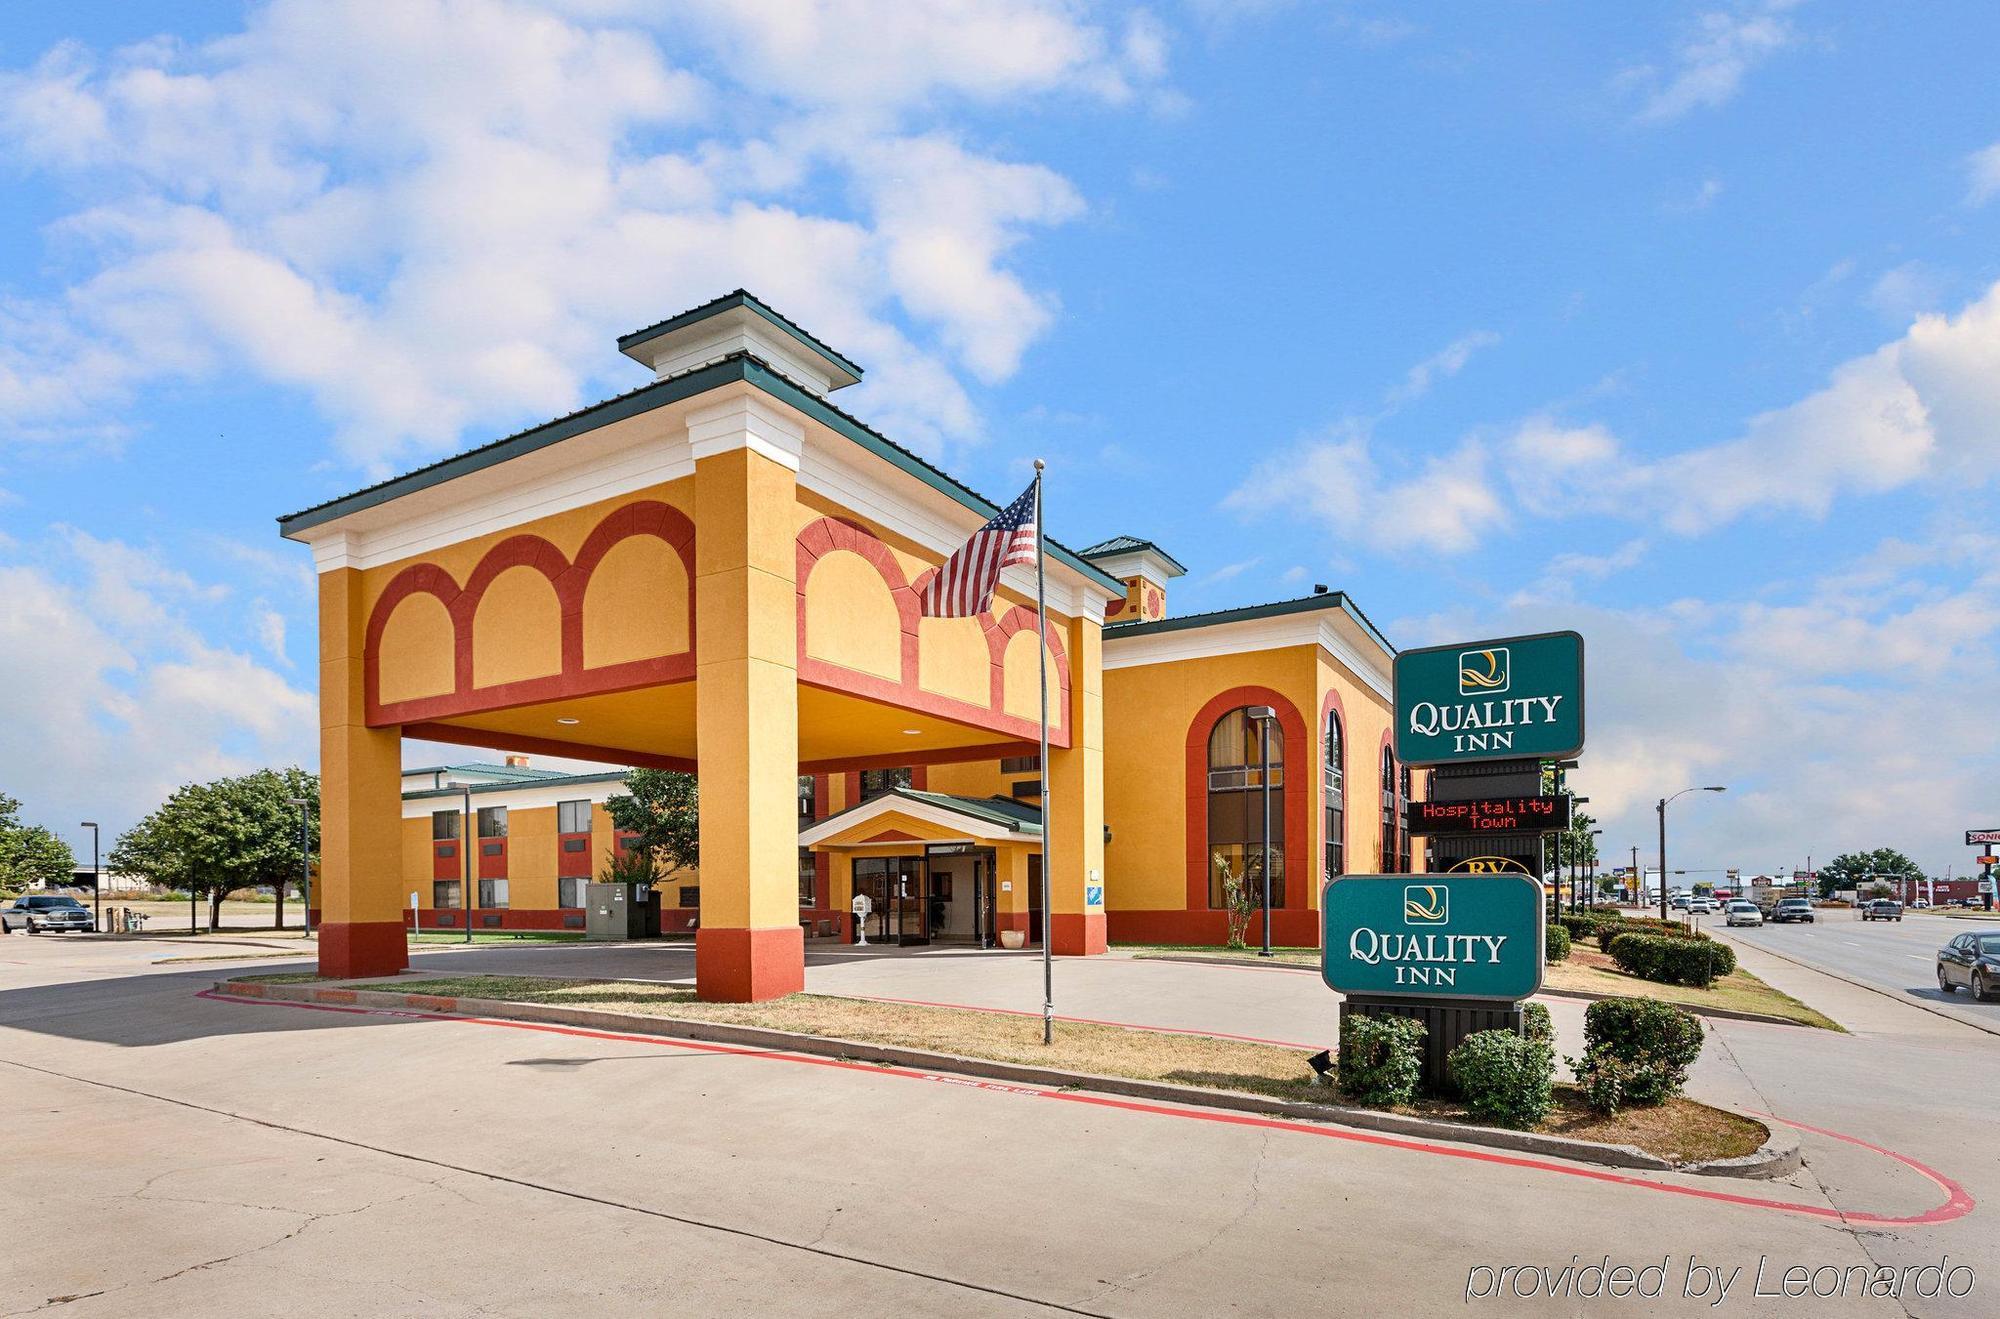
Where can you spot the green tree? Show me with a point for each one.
(663, 809)
(30, 854)
(1856, 869)
(213, 838)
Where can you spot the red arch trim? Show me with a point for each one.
(570, 581)
(825, 535)
(1296, 828)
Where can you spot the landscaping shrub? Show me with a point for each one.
(1672, 961)
(1636, 1051)
(1535, 1023)
(1646, 925)
(1585, 924)
(1381, 1059)
(1504, 1077)
(1555, 947)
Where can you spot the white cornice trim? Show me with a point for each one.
(877, 807)
(1254, 634)
(747, 421)
(1148, 564)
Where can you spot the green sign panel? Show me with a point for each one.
(1433, 936)
(1518, 698)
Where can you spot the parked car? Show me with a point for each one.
(37, 912)
(1792, 909)
(1971, 960)
(1882, 909)
(1920, 905)
(1740, 912)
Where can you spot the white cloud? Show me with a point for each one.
(114, 698)
(1904, 292)
(1446, 505)
(1441, 365)
(425, 247)
(1983, 167)
(1711, 62)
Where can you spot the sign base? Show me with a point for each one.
(1446, 1024)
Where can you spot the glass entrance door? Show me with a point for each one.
(894, 886)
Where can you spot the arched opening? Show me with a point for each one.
(1334, 777)
(1237, 773)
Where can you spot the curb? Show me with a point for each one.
(1778, 1157)
(1892, 995)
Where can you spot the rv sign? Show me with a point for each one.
(1518, 698)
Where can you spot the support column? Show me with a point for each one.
(840, 891)
(1076, 783)
(749, 946)
(1010, 892)
(360, 801)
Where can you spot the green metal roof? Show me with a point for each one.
(1277, 609)
(1004, 811)
(1104, 549)
(553, 780)
(739, 298)
(737, 366)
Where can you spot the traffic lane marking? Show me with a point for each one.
(1958, 1201)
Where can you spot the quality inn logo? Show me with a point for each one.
(1482, 672)
(1425, 904)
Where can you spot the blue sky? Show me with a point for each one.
(1676, 324)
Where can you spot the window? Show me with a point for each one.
(808, 797)
(1236, 806)
(569, 891)
(1403, 866)
(572, 817)
(875, 782)
(1389, 812)
(493, 822)
(444, 894)
(1021, 765)
(1334, 775)
(808, 878)
(493, 894)
(444, 826)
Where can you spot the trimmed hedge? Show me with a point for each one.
(1504, 1077)
(1586, 924)
(1381, 1059)
(1555, 947)
(1645, 925)
(1536, 1024)
(1636, 1051)
(1673, 961)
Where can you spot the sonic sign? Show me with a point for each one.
(1518, 698)
(1433, 936)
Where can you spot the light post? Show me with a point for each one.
(467, 828)
(1264, 714)
(305, 869)
(96, 879)
(1663, 839)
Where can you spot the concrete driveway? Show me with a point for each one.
(233, 1159)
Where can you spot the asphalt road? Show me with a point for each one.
(1899, 956)
(239, 1158)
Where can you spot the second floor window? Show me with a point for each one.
(493, 822)
(573, 817)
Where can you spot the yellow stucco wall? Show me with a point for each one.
(851, 619)
(416, 650)
(953, 659)
(635, 606)
(517, 631)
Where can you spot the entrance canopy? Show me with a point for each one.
(905, 815)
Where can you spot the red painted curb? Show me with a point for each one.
(1958, 1202)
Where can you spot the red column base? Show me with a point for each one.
(749, 966)
(351, 950)
(1075, 934)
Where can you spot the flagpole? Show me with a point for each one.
(1042, 654)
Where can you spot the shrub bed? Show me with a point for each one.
(1535, 1023)
(1645, 925)
(1636, 1051)
(1381, 1059)
(1673, 961)
(1504, 1078)
(1555, 947)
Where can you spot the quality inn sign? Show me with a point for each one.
(1433, 936)
(1518, 698)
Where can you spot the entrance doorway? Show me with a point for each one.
(894, 886)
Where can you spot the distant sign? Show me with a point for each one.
(1974, 837)
(1490, 815)
(1510, 699)
(1432, 936)
(1490, 865)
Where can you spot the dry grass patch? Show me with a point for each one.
(1591, 971)
(1681, 1130)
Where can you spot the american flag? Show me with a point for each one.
(964, 585)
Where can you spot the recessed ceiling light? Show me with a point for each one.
(565, 719)
(913, 732)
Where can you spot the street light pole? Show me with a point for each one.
(1663, 840)
(466, 843)
(1264, 714)
(305, 865)
(96, 879)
